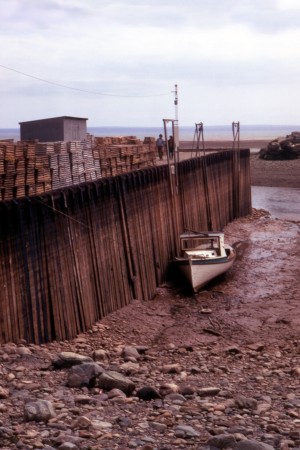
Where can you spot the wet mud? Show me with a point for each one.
(257, 300)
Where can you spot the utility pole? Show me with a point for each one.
(176, 129)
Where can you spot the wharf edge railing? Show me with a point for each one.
(72, 256)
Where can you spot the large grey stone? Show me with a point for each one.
(39, 411)
(84, 374)
(130, 352)
(251, 444)
(246, 402)
(114, 380)
(186, 431)
(69, 359)
(222, 441)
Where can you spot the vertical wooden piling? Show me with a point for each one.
(71, 257)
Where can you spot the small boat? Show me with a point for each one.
(203, 256)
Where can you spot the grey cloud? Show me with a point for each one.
(30, 16)
(240, 73)
(263, 16)
(271, 21)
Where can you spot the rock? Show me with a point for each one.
(160, 427)
(233, 350)
(111, 380)
(4, 393)
(100, 355)
(84, 374)
(68, 446)
(68, 359)
(168, 388)
(114, 393)
(23, 351)
(186, 390)
(130, 367)
(124, 422)
(243, 402)
(175, 398)
(262, 408)
(257, 347)
(82, 422)
(6, 432)
(171, 368)
(148, 447)
(186, 431)
(84, 400)
(222, 441)
(281, 149)
(147, 393)
(39, 411)
(101, 425)
(130, 352)
(10, 348)
(248, 444)
(296, 371)
(208, 392)
(63, 438)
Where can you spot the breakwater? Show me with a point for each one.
(71, 256)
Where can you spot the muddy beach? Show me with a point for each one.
(225, 362)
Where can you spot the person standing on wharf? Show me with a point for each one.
(160, 143)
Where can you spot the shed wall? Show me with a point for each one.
(74, 129)
(54, 129)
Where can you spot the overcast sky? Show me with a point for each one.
(233, 60)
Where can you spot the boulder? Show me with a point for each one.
(147, 393)
(39, 411)
(114, 380)
(251, 444)
(84, 375)
(222, 441)
(130, 353)
(68, 359)
(282, 148)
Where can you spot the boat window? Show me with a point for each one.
(207, 243)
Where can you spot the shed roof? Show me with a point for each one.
(51, 118)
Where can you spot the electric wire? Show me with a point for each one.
(81, 90)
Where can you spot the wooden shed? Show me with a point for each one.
(64, 128)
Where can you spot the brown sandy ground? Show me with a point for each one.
(275, 173)
(258, 144)
(240, 336)
(263, 172)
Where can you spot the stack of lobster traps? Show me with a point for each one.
(32, 167)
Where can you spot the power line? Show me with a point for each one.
(78, 89)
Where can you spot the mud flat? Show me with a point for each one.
(254, 143)
(275, 173)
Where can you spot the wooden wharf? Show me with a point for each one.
(73, 255)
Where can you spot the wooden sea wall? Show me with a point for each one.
(72, 256)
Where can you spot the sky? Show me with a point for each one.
(116, 62)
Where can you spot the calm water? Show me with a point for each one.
(185, 133)
(282, 203)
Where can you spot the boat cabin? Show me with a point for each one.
(207, 245)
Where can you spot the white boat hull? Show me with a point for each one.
(200, 271)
